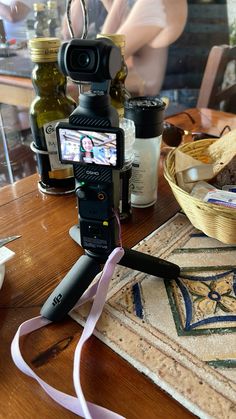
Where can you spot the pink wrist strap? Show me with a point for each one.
(77, 405)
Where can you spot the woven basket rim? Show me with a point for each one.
(220, 210)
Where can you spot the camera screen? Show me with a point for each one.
(89, 147)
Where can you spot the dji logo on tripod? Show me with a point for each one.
(57, 300)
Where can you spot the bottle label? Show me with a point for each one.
(125, 192)
(58, 170)
(144, 175)
(137, 176)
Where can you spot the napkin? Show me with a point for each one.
(5, 255)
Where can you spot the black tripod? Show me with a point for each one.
(77, 280)
(98, 193)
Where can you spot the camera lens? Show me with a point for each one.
(81, 59)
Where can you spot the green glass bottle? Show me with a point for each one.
(118, 92)
(50, 105)
(40, 24)
(54, 24)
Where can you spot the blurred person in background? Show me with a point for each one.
(14, 14)
(149, 26)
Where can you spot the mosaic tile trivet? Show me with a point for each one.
(181, 334)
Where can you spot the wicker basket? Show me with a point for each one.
(214, 220)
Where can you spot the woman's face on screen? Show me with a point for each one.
(87, 144)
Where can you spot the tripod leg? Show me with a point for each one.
(141, 261)
(70, 289)
(149, 264)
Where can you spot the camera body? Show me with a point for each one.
(89, 60)
(93, 142)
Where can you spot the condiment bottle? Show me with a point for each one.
(147, 113)
(54, 24)
(50, 106)
(119, 94)
(40, 25)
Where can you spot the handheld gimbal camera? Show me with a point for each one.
(94, 144)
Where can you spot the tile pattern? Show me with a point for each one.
(181, 334)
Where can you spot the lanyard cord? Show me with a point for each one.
(77, 405)
(85, 18)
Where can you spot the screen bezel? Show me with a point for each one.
(108, 130)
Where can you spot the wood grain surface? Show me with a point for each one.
(44, 254)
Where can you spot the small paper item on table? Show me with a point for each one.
(187, 168)
(219, 167)
(223, 156)
(222, 151)
(5, 254)
(208, 193)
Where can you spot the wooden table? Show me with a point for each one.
(15, 79)
(44, 254)
(16, 91)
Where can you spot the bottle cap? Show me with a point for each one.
(52, 4)
(44, 49)
(117, 38)
(39, 7)
(147, 113)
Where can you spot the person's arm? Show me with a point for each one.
(107, 4)
(15, 12)
(132, 24)
(135, 40)
(117, 12)
(176, 14)
(154, 22)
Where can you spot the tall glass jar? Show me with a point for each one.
(50, 106)
(147, 113)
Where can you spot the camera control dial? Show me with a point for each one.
(80, 192)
